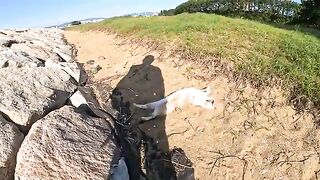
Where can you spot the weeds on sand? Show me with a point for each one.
(259, 52)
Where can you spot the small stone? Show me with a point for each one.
(95, 68)
(90, 62)
(101, 58)
(201, 129)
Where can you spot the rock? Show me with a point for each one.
(65, 57)
(77, 99)
(66, 49)
(119, 171)
(33, 50)
(101, 58)
(55, 58)
(95, 68)
(182, 164)
(6, 41)
(37, 34)
(26, 35)
(27, 94)
(83, 75)
(66, 145)
(49, 40)
(11, 58)
(85, 102)
(10, 141)
(90, 62)
(72, 69)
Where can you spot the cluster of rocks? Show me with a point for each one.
(41, 135)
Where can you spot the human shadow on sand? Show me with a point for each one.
(145, 140)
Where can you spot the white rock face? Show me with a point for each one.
(36, 44)
(38, 76)
(71, 68)
(66, 145)
(77, 99)
(119, 171)
(10, 141)
(27, 94)
(11, 58)
(6, 41)
(32, 50)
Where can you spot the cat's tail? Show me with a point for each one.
(142, 106)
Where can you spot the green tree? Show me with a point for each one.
(310, 12)
(263, 10)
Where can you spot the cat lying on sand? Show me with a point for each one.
(178, 99)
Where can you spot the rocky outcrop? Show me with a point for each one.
(27, 94)
(38, 76)
(39, 45)
(77, 99)
(11, 58)
(31, 49)
(119, 171)
(73, 69)
(7, 41)
(66, 145)
(37, 73)
(10, 141)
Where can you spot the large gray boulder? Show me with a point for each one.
(54, 36)
(66, 57)
(66, 145)
(6, 41)
(11, 58)
(37, 44)
(73, 69)
(33, 50)
(10, 141)
(27, 94)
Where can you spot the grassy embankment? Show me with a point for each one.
(259, 51)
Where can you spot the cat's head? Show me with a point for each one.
(204, 99)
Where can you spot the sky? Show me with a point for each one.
(41, 13)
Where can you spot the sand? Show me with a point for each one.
(251, 134)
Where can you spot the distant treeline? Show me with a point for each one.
(276, 11)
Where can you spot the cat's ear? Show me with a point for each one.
(207, 90)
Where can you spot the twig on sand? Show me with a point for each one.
(130, 89)
(136, 93)
(294, 161)
(177, 163)
(222, 156)
(178, 132)
(225, 109)
(301, 114)
(125, 64)
(316, 174)
(187, 119)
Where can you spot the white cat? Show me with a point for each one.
(178, 99)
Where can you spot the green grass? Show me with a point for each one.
(258, 50)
